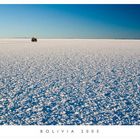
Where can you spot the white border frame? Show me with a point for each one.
(69, 1)
(55, 132)
(105, 132)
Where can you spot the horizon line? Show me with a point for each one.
(66, 38)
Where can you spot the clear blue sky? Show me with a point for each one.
(70, 21)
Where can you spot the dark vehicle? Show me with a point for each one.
(34, 39)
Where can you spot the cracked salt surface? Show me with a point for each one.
(70, 82)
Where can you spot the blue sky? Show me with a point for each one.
(70, 21)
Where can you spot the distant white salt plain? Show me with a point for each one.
(69, 82)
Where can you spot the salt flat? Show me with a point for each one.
(69, 81)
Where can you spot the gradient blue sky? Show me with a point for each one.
(70, 21)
